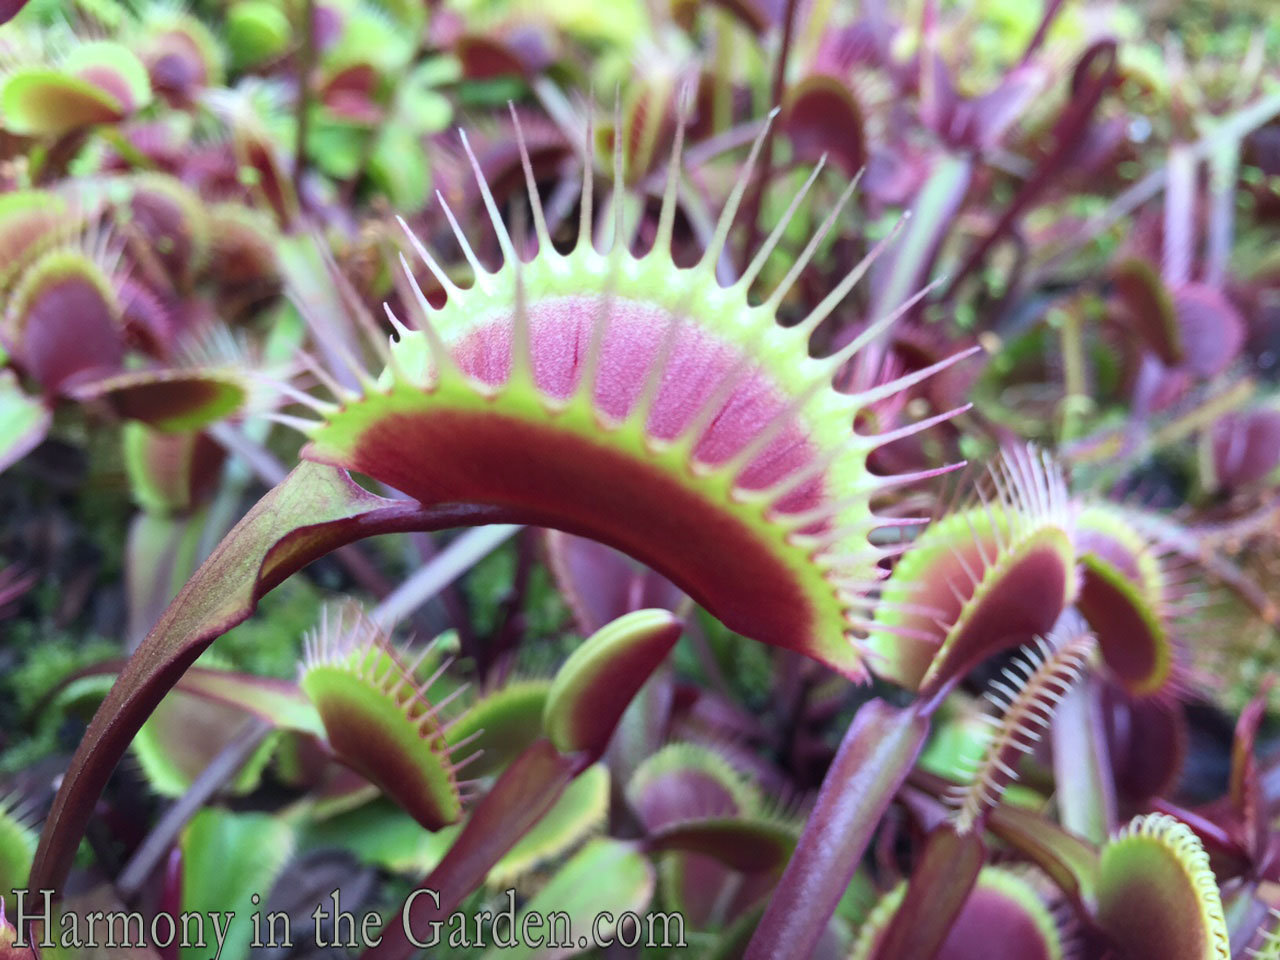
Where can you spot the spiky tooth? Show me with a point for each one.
(762, 255)
(711, 256)
(848, 282)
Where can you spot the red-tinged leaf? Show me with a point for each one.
(485, 57)
(1147, 308)
(524, 792)
(30, 222)
(1157, 896)
(821, 117)
(97, 81)
(1069, 860)
(979, 580)
(601, 584)
(64, 321)
(182, 57)
(351, 94)
(1148, 742)
(378, 720)
(10, 9)
(311, 512)
(150, 320)
(746, 845)
(688, 781)
(168, 400)
(170, 472)
(1210, 328)
(243, 264)
(593, 687)
(1245, 790)
(170, 218)
(1003, 917)
(271, 180)
(1096, 72)
(24, 421)
(644, 726)
(1124, 596)
(878, 752)
(43, 102)
(7, 935)
(988, 117)
(1243, 449)
(937, 892)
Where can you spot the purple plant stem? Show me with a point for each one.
(933, 214)
(1224, 167)
(1097, 72)
(1229, 132)
(936, 893)
(1051, 10)
(1179, 215)
(874, 759)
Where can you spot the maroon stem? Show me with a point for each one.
(1051, 10)
(1096, 73)
(874, 759)
(265, 548)
(936, 893)
(525, 791)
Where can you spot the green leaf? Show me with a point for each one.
(256, 31)
(504, 722)
(24, 420)
(581, 810)
(606, 876)
(227, 858)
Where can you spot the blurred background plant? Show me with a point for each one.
(200, 199)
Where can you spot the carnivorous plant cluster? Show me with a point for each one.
(763, 480)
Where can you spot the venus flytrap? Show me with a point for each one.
(1129, 596)
(531, 786)
(681, 406)
(378, 720)
(737, 421)
(1026, 696)
(1010, 901)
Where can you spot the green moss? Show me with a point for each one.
(268, 642)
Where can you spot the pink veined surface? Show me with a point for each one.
(696, 364)
(580, 484)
